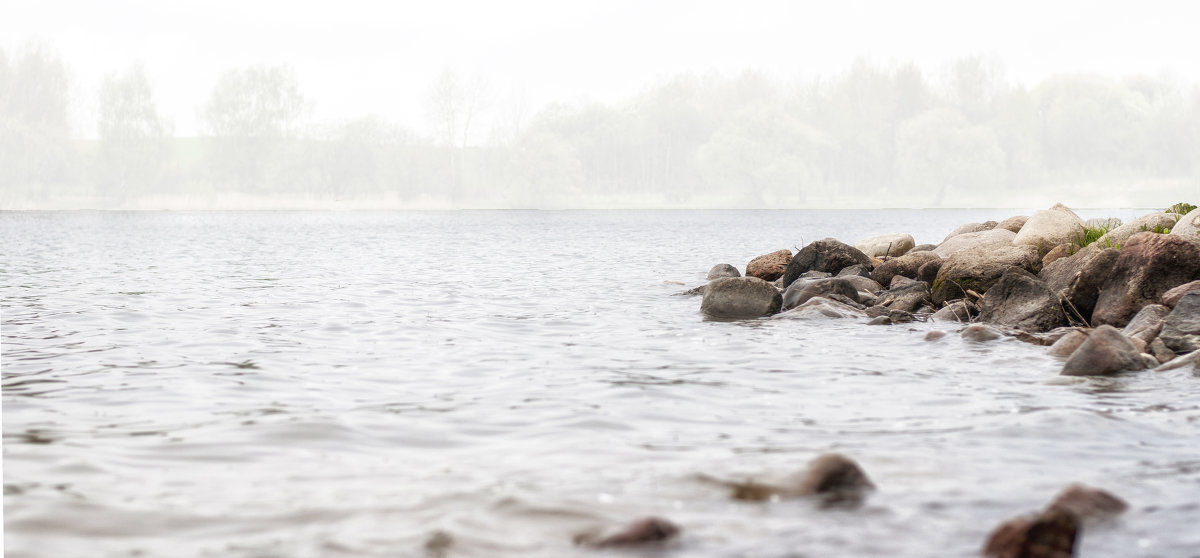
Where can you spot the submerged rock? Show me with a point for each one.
(740, 298)
(1020, 300)
(1088, 504)
(829, 256)
(769, 267)
(1050, 534)
(1149, 265)
(647, 530)
(1105, 351)
(980, 333)
(886, 245)
(834, 479)
(1067, 344)
(1181, 328)
(721, 271)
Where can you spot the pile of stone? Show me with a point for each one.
(1128, 301)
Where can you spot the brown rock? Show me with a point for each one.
(971, 228)
(934, 335)
(1013, 224)
(1020, 300)
(1051, 534)
(966, 241)
(836, 480)
(1171, 297)
(904, 266)
(1105, 351)
(1087, 503)
(769, 267)
(1067, 344)
(647, 530)
(1077, 279)
(977, 269)
(1149, 265)
(1058, 252)
(981, 333)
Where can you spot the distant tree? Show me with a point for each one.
(454, 104)
(36, 155)
(249, 113)
(941, 154)
(132, 145)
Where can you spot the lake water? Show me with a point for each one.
(491, 383)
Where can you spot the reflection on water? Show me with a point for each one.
(490, 384)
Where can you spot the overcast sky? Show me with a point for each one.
(357, 58)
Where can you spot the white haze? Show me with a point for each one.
(366, 75)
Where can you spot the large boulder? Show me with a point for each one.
(769, 267)
(1105, 351)
(1020, 300)
(1171, 297)
(1188, 226)
(828, 255)
(740, 298)
(971, 228)
(1046, 229)
(1077, 279)
(977, 269)
(1181, 328)
(1013, 224)
(905, 266)
(1120, 235)
(1150, 264)
(800, 291)
(886, 245)
(721, 271)
(966, 241)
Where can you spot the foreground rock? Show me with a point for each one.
(740, 298)
(769, 267)
(1181, 328)
(1149, 265)
(645, 531)
(829, 256)
(1050, 534)
(1046, 229)
(721, 271)
(886, 245)
(1105, 351)
(1022, 301)
(977, 269)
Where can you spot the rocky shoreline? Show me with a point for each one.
(1106, 296)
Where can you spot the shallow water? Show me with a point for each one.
(492, 383)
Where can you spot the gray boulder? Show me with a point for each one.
(828, 255)
(1077, 280)
(971, 228)
(800, 291)
(1105, 351)
(1120, 235)
(1020, 300)
(740, 298)
(1149, 265)
(721, 271)
(1188, 226)
(1013, 224)
(1181, 328)
(886, 245)
(977, 269)
(769, 267)
(1171, 297)
(1046, 229)
(906, 266)
(821, 308)
(1147, 323)
(967, 241)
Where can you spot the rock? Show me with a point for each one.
(829, 256)
(905, 266)
(769, 267)
(1190, 360)
(886, 245)
(966, 241)
(822, 308)
(934, 335)
(1188, 227)
(970, 228)
(1160, 352)
(1077, 280)
(1146, 324)
(980, 333)
(1022, 301)
(907, 297)
(1118, 236)
(977, 269)
(1089, 505)
(1067, 344)
(845, 300)
(647, 530)
(801, 291)
(836, 479)
(1171, 297)
(1047, 229)
(923, 248)
(1105, 351)
(740, 298)
(1058, 252)
(856, 270)
(880, 320)
(695, 291)
(958, 311)
(720, 271)
(1181, 328)
(928, 271)
(1013, 224)
(862, 283)
(1050, 534)
(1149, 265)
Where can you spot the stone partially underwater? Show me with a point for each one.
(1035, 278)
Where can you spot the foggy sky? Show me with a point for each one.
(356, 58)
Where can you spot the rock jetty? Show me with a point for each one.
(1110, 297)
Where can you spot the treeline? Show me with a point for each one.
(873, 135)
